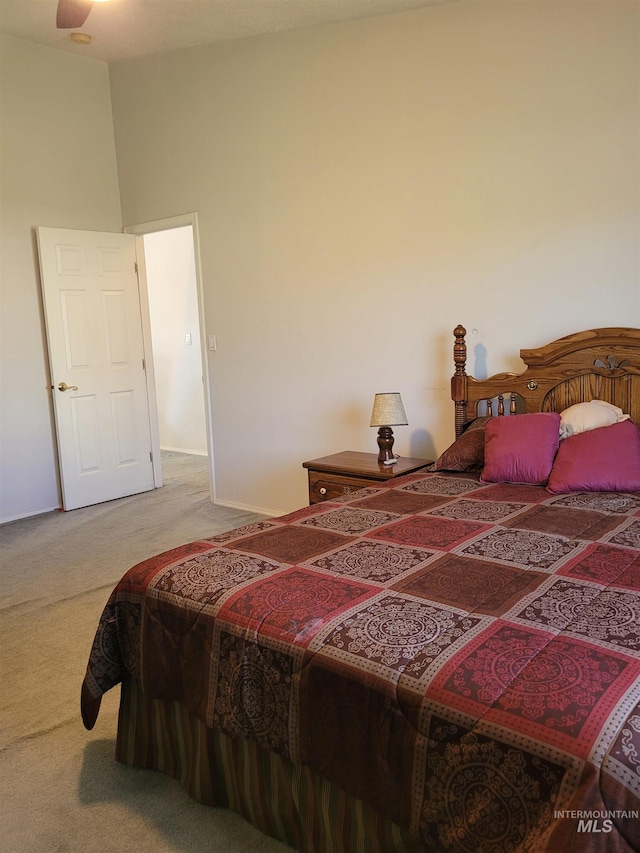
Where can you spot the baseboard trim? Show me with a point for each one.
(184, 450)
(29, 514)
(272, 513)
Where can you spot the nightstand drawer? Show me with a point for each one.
(326, 487)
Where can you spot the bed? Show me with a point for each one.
(448, 661)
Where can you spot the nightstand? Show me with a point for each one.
(346, 472)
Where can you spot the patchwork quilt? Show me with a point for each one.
(464, 657)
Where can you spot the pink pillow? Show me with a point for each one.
(520, 448)
(606, 459)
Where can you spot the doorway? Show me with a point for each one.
(174, 329)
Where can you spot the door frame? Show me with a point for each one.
(139, 231)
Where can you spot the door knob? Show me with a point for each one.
(64, 387)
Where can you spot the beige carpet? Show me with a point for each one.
(61, 789)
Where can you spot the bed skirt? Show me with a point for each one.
(283, 800)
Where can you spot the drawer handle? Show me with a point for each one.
(323, 490)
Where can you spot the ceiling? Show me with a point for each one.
(122, 29)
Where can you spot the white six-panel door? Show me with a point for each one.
(94, 334)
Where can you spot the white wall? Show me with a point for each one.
(362, 188)
(173, 306)
(58, 168)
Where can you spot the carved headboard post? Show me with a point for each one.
(459, 379)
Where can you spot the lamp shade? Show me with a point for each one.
(388, 411)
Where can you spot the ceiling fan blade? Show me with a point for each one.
(72, 13)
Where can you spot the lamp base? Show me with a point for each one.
(385, 443)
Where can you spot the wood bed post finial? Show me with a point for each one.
(460, 350)
(459, 379)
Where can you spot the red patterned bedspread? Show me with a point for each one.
(464, 657)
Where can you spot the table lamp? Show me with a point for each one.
(387, 411)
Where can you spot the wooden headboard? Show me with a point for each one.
(602, 364)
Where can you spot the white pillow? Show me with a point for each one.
(585, 416)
